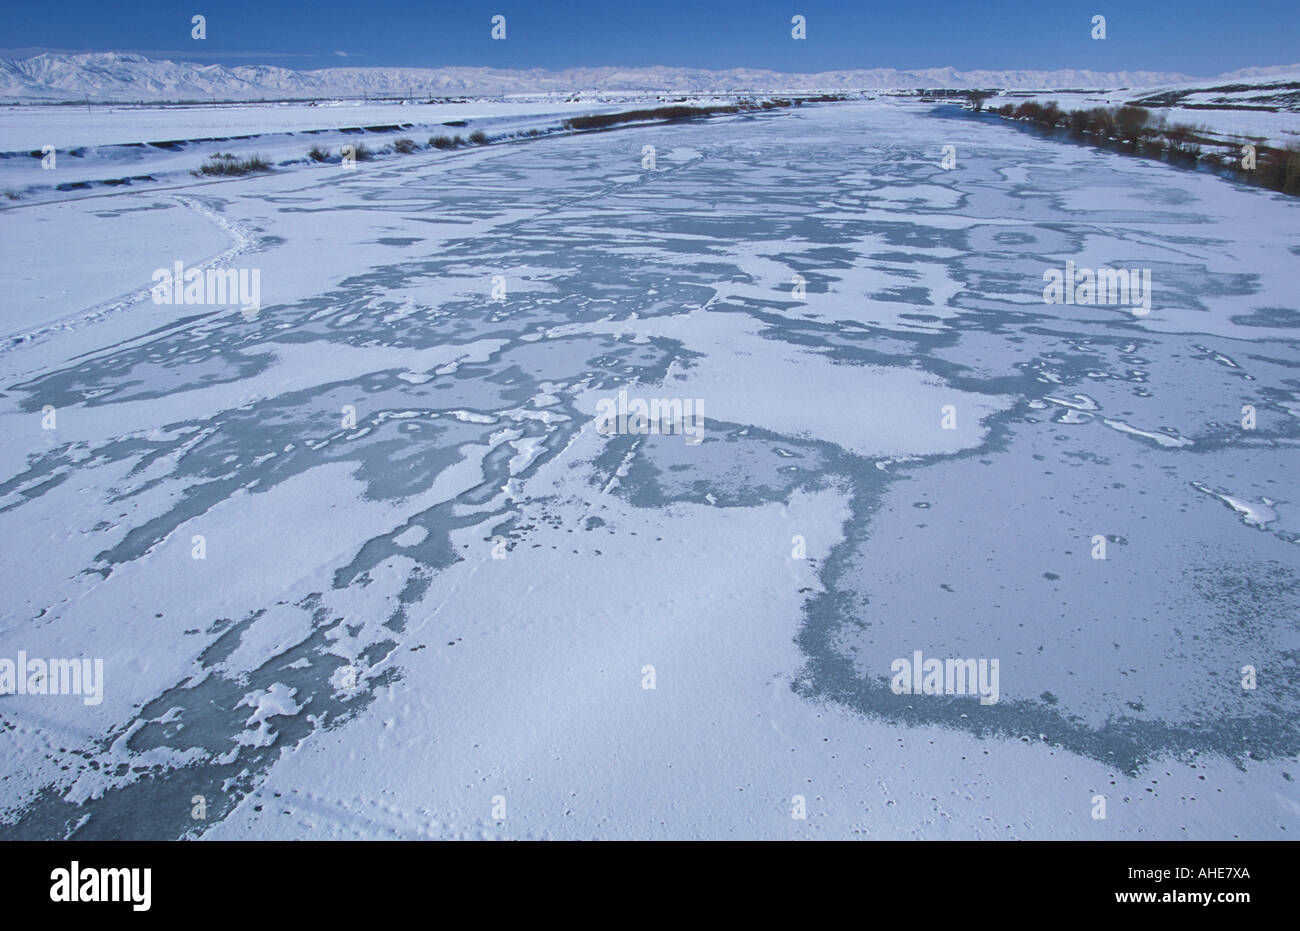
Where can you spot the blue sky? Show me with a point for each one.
(1197, 37)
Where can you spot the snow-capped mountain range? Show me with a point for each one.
(117, 76)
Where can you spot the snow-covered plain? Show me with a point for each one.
(69, 127)
(101, 150)
(352, 659)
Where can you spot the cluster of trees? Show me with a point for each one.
(1126, 125)
(603, 120)
(1279, 169)
(1133, 128)
(676, 112)
(477, 137)
(223, 164)
(405, 146)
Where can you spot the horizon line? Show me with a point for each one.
(28, 53)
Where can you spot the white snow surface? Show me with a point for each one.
(435, 601)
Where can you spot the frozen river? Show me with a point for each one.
(368, 562)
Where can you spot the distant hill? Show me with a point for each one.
(111, 76)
